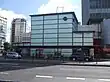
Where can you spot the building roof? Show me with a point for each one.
(56, 14)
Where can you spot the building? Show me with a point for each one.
(26, 37)
(57, 33)
(18, 29)
(3, 27)
(95, 9)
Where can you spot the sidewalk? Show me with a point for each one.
(102, 63)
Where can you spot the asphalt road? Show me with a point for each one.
(55, 73)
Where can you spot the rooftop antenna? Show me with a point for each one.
(59, 8)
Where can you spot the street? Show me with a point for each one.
(18, 72)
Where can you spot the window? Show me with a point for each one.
(88, 39)
(65, 25)
(50, 26)
(65, 15)
(88, 44)
(50, 31)
(37, 22)
(88, 34)
(65, 30)
(50, 17)
(50, 44)
(36, 31)
(36, 36)
(50, 35)
(65, 43)
(77, 34)
(77, 44)
(36, 40)
(50, 40)
(67, 21)
(65, 39)
(36, 44)
(37, 27)
(37, 18)
(66, 35)
(77, 39)
(50, 22)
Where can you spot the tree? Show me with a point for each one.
(6, 46)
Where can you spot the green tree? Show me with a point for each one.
(6, 46)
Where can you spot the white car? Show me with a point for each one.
(13, 55)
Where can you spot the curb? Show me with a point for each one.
(88, 65)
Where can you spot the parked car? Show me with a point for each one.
(13, 55)
(79, 56)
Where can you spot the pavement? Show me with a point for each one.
(53, 73)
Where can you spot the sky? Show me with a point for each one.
(23, 8)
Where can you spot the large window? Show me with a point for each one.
(50, 17)
(67, 21)
(37, 27)
(88, 40)
(50, 40)
(50, 22)
(37, 22)
(50, 44)
(77, 34)
(65, 25)
(50, 31)
(65, 35)
(37, 18)
(77, 44)
(50, 26)
(36, 36)
(50, 35)
(88, 34)
(77, 39)
(37, 31)
(65, 43)
(36, 40)
(65, 39)
(65, 30)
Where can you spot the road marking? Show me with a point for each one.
(5, 73)
(104, 80)
(74, 78)
(41, 76)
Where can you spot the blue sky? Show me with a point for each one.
(23, 8)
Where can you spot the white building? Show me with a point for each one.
(18, 29)
(3, 27)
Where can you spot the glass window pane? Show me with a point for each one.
(77, 39)
(37, 31)
(37, 27)
(36, 40)
(50, 26)
(37, 22)
(66, 35)
(50, 44)
(50, 40)
(88, 34)
(65, 30)
(37, 18)
(50, 35)
(50, 22)
(65, 25)
(88, 44)
(88, 39)
(50, 31)
(67, 21)
(66, 50)
(37, 36)
(50, 17)
(36, 44)
(77, 34)
(77, 44)
(66, 44)
(65, 39)
(65, 15)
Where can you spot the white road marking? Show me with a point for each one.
(74, 78)
(104, 80)
(5, 73)
(42, 76)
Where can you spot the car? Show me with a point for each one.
(13, 55)
(78, 56)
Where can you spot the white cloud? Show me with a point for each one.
(10, 15)
(51, 7)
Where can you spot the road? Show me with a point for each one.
(53, 73)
